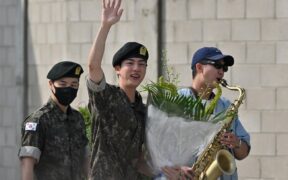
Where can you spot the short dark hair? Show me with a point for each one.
(194, 72)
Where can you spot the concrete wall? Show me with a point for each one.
(11, 80)
(255, 32)
(65, 30)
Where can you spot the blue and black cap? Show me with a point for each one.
(211, 53)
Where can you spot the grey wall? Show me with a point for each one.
(11, 89)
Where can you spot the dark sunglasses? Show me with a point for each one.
(215, 64)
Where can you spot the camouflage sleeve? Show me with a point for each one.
(96, 87)
(32, 139)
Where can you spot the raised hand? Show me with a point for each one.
(111, 14)
(111, 11)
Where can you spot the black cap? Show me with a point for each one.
(65, 69)
(130, 50)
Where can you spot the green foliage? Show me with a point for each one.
(163, 94)
(87, 119)
(169, 71)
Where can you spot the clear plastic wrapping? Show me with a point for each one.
(173, 141)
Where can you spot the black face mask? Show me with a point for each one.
(65, 95)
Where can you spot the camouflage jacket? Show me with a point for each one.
(57, 141)
(118, 132)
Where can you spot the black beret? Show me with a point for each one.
(130, 50)
(65, 69)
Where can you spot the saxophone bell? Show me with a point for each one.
(224, 163)
(215, 160)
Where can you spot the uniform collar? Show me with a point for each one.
(138, 104)
(62, 116)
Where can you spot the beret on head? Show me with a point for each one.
(65, 69)
(130, 50)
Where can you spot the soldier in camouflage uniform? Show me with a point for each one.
(118, 113)
(54, 143)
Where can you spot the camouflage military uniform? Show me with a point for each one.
(118, 132)
(57, 141)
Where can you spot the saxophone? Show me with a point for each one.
(216, 160)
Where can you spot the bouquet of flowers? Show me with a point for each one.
(178, 128)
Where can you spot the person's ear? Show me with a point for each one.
(117, 69)
(199, 67)
(50, 83)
